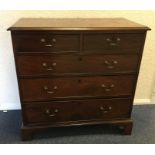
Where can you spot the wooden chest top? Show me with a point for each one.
(76, 24)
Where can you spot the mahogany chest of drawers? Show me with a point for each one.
(76, 71)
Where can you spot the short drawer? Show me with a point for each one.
(46, 42)
(80, 110)
(114, 43)
(85, 64)
(74, 87)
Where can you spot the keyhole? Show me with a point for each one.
(80, 59)
(79, 80)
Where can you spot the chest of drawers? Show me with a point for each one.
(76, 71)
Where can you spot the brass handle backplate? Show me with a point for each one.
(48, 45)
(110, 64)
(54, 40)
(113, 41)
(51, 113)
(43, 40)
(50, 91)
(107, 88)
(105, 109)
(49, 67)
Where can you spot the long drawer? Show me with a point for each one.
(101, 86)
(86, 64)
(76, 110)
(46, 42)
(113, 43)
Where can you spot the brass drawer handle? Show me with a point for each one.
(101, 108)
(113, 41)
(43, 40)
(49, 68)
(48, 45)
(110, 40)
(110, 65)
(118, 39)
(50, 114)
(112, 44)
(105, 109)
(113, 62)
(50, 91)
(107, 88)
(55, 87)
(54, 64)
(54, 40)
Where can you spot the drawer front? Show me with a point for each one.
(61, 64)
(66, 111)
(114, 43)
(46, 42)
(75, 87)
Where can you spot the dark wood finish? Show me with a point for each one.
(76, 110)
(27, 131)
(26, 134)
(128, 128)
(112, 43)
(45, 42)
(76, 24)
(69, 64)
(75, 72)
(48, 89)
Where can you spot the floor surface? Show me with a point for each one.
(143, 130)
